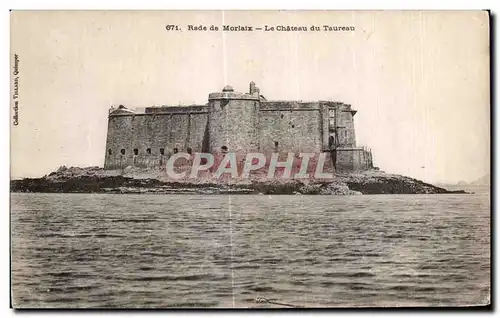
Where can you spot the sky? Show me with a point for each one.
(419, 79)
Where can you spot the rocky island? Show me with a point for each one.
(147, 181)
(141, 145)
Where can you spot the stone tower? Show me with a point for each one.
(233, 121)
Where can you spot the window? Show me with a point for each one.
(293, 126)
(275, 144)
(176, 150)
(110, 152)
(148, 151)
(224, 149)
(281, 116)
(162, 151)
(136, 151)
(189, 150)
(122, 151)
(331, 141)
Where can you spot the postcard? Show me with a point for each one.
(250, 159)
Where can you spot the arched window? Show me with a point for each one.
(162, 151)
(331, 141)
(224, 149)
(110, 152)
(148, 151)
(136, 151)
(276, 144)
(189, 150)
(122, 151)
(176, 150)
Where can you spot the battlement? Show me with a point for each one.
(177, 109)
(232, 95)
(284, 105)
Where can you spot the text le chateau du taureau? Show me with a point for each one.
(260, 28)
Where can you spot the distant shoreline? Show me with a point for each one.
(98, 180)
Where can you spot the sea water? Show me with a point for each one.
(127, 251)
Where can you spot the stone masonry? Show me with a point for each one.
(239, 122)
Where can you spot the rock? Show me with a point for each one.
(61, 169)
(311, 188)
(138, 180)
(128, 169)
(338, 189)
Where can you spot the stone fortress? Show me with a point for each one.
(234, 122)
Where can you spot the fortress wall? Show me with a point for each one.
(346, 160)
(136, 132)
(325, 125)
(157, 131)
(120, 134)
(365, 160)
(216, 128)
(347, 136)
(178, 133)
(198, 125)
(351, 131)
(233, 123)
(295, 130)
(239, 122)
(353, 159)
(243, 126)
(288, 105)
(183, 131)
(177, 109)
